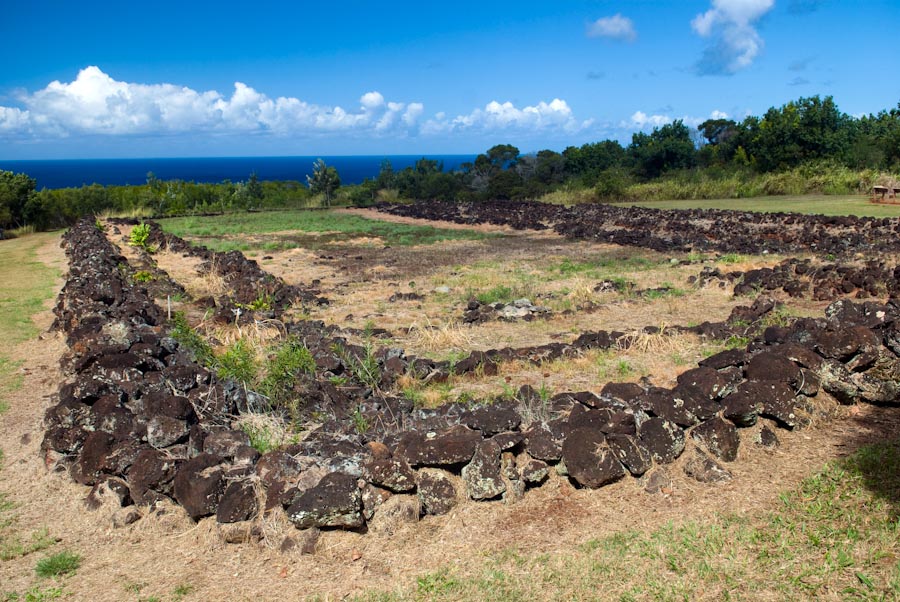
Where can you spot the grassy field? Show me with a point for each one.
(289, 229)
(816, 203)
(836, 537)
(25, 283)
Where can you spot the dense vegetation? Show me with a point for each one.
(804, 146)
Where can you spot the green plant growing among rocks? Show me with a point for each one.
(290, 359)
(263, 302)
(190, 339)
(140, 237)
(143, 276)
(238, 363)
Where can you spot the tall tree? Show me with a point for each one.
(324, 180)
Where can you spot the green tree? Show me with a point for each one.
(324, 180)
(255, 189)
(666, 148)
(15, 190)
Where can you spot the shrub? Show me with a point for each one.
(191, 339)
(290, 359)
(140, 236)
(238, 363)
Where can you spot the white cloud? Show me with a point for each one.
(732, 26)
(641, 121)
(96, 104)
(495, 116)
(615, 27)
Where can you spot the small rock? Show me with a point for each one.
(706, 470)
(125, 517)
(436, 492)
(482, 473)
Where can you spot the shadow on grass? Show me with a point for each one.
(874, 443)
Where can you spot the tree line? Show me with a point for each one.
(810, 136)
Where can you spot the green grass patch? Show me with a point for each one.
(808, 203)
(836, 536)
(328, 226)
(33, 594)
(63, 563)
(25, 284)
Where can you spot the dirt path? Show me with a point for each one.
(164, 554)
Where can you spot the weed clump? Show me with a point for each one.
(63, 563)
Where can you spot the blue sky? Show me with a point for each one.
(176, 79)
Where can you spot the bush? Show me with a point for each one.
(290, 359)
(238, 363)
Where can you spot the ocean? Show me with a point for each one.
(65, 173)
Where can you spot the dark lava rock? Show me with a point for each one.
(725, 359)
(630, 453)
(238, 503)
(662, 438)
(94, 458)
(508, 441)
(163, 431)
(534, 472)
(706, 470)
(541, 444)
(482, 474)
(391, 473)
(711, 383)
(767, 438)
(770, 365)
(436, 492)
(494, 418)
(589, 460)
(719, 437)
(199, 484)
(453, 446)
(111, 488)
(335, 502)
(624, 392)
(150, 475)
(225, 443)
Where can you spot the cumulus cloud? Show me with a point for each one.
(495, 116)
(731, 27)
(642, 121)
(95, 103)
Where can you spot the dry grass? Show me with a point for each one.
(187, 271)
(450, 336)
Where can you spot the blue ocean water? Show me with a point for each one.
(64, 173)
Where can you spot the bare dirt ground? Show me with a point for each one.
(166, 551)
